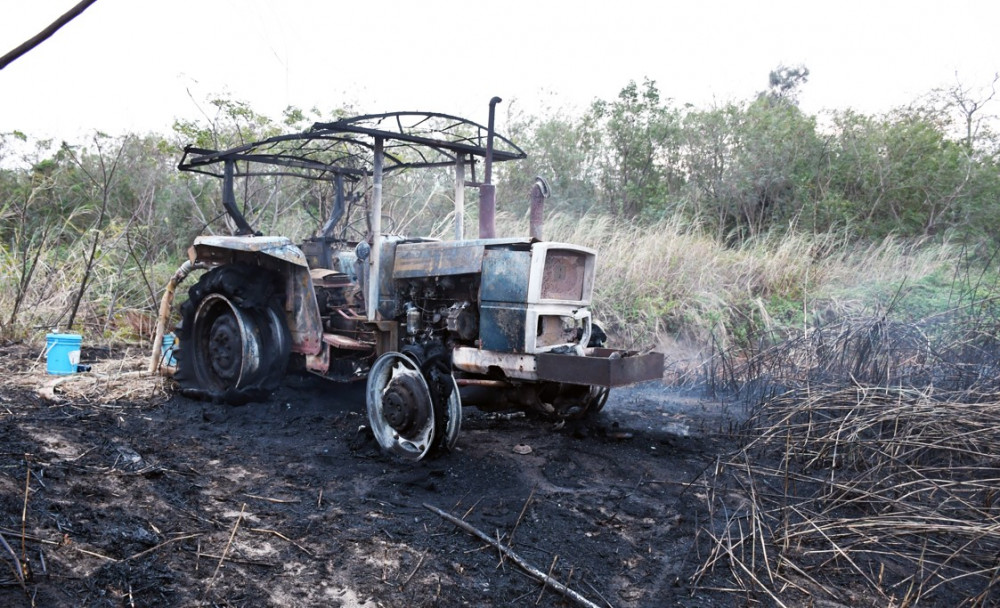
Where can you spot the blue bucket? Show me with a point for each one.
(167, 350)
(62, 353)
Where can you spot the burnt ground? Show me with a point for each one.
(140, 497)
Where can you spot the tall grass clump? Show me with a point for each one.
(670, 283)
(118, 303)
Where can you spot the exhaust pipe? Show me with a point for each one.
(487, 191)
(539, 192)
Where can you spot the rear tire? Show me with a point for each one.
(234, 341)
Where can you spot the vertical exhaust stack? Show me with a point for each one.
(487, 191)
(539, 192)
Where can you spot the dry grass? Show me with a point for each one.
(119, 378)
(668, 279)
(870, 467)
(117, 305)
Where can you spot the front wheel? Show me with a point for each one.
(405, 417)
(234, 340)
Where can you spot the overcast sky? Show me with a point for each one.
(139, 64)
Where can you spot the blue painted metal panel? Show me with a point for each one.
(505, 276)
(501, 326)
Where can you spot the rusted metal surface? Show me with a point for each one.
(487, 211)
(339, 341)
(573, 340)
(430, 259)
(387, 337)
(322, 277)
(539, 192)
(320, 362)
(602, 367)
(302, 311)
(415, 260)
(219, 249)
(473, 360)
(375, 221)
(563, 276)
(459, 198)
(503, 327)
(482, 382)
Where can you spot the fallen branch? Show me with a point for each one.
(514, 557)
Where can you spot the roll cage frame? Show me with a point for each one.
(351, 149)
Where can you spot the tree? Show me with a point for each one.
(101, 179)
(750, 166)
(29, 221)
(784, 83)
(902, 174)
(970, 103)
(635, 143)
(552, 143)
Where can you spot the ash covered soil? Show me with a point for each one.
(126, 494)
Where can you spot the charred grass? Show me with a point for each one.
(867, 473)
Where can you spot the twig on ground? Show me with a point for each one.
(598, 593)
(225, 551)
(499, 552)
(24, 511)
(547, 578)
(524, 509)
(514, 557)
(280, 501)
(417, 567)
(235, 560)
(470, 509)
(160, 546)
(284, 538)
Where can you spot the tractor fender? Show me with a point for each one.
(278, 253)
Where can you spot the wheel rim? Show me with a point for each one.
(454, 424)
(227, 344)
(400, 408)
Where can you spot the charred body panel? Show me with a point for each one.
(279, 254)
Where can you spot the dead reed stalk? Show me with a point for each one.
(868, 469)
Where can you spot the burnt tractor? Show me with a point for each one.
(431, 325)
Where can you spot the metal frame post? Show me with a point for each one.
(375, 259)
(459, 198)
